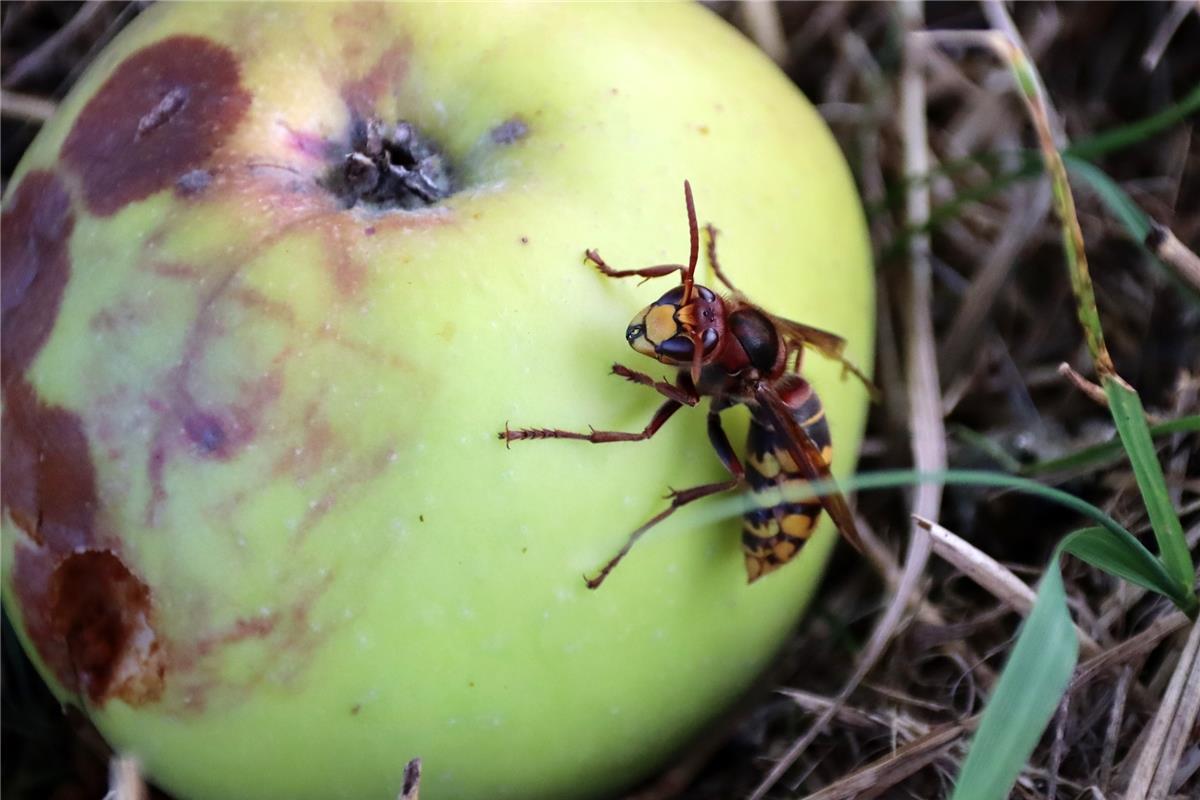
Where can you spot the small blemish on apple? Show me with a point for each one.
(171, 104)
(510, 131)
(206, 432)
(193, 182)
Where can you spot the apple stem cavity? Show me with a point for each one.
(391, 166)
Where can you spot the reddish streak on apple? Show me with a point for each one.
(288, 630)
(363, 95)
(161, 114)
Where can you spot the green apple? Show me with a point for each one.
(273, 281)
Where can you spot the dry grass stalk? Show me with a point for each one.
(991, 575)
(49, 49)
(1175, 254)
(761, 20)
(26, 107)
(890, 770)
(125, 780)
(1171, 728)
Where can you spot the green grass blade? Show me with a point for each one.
(1028, 692)
(1136, 132)
(1112, 195)
(889, 479)
(1124, 558)
(1119, 550)
(1101, 454)
(1040, 667)
(1130, 418)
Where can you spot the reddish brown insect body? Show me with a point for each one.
(734, 352)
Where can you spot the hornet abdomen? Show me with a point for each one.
(773, 534)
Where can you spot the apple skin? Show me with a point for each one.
(257, 522)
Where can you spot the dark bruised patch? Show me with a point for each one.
(164, 111)
(34, 267)
(510, 131)
(102, 612)
(49, 483)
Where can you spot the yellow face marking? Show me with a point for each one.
(636, 334)
(797, 525)
(660, 323)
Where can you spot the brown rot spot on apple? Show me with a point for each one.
(162, 114)
(510, 131)
(102, 611)
(34, 266)
(83, 609)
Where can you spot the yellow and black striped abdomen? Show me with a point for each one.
(773, 534)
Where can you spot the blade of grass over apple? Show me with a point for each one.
(891, 479)
(1119, 552)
